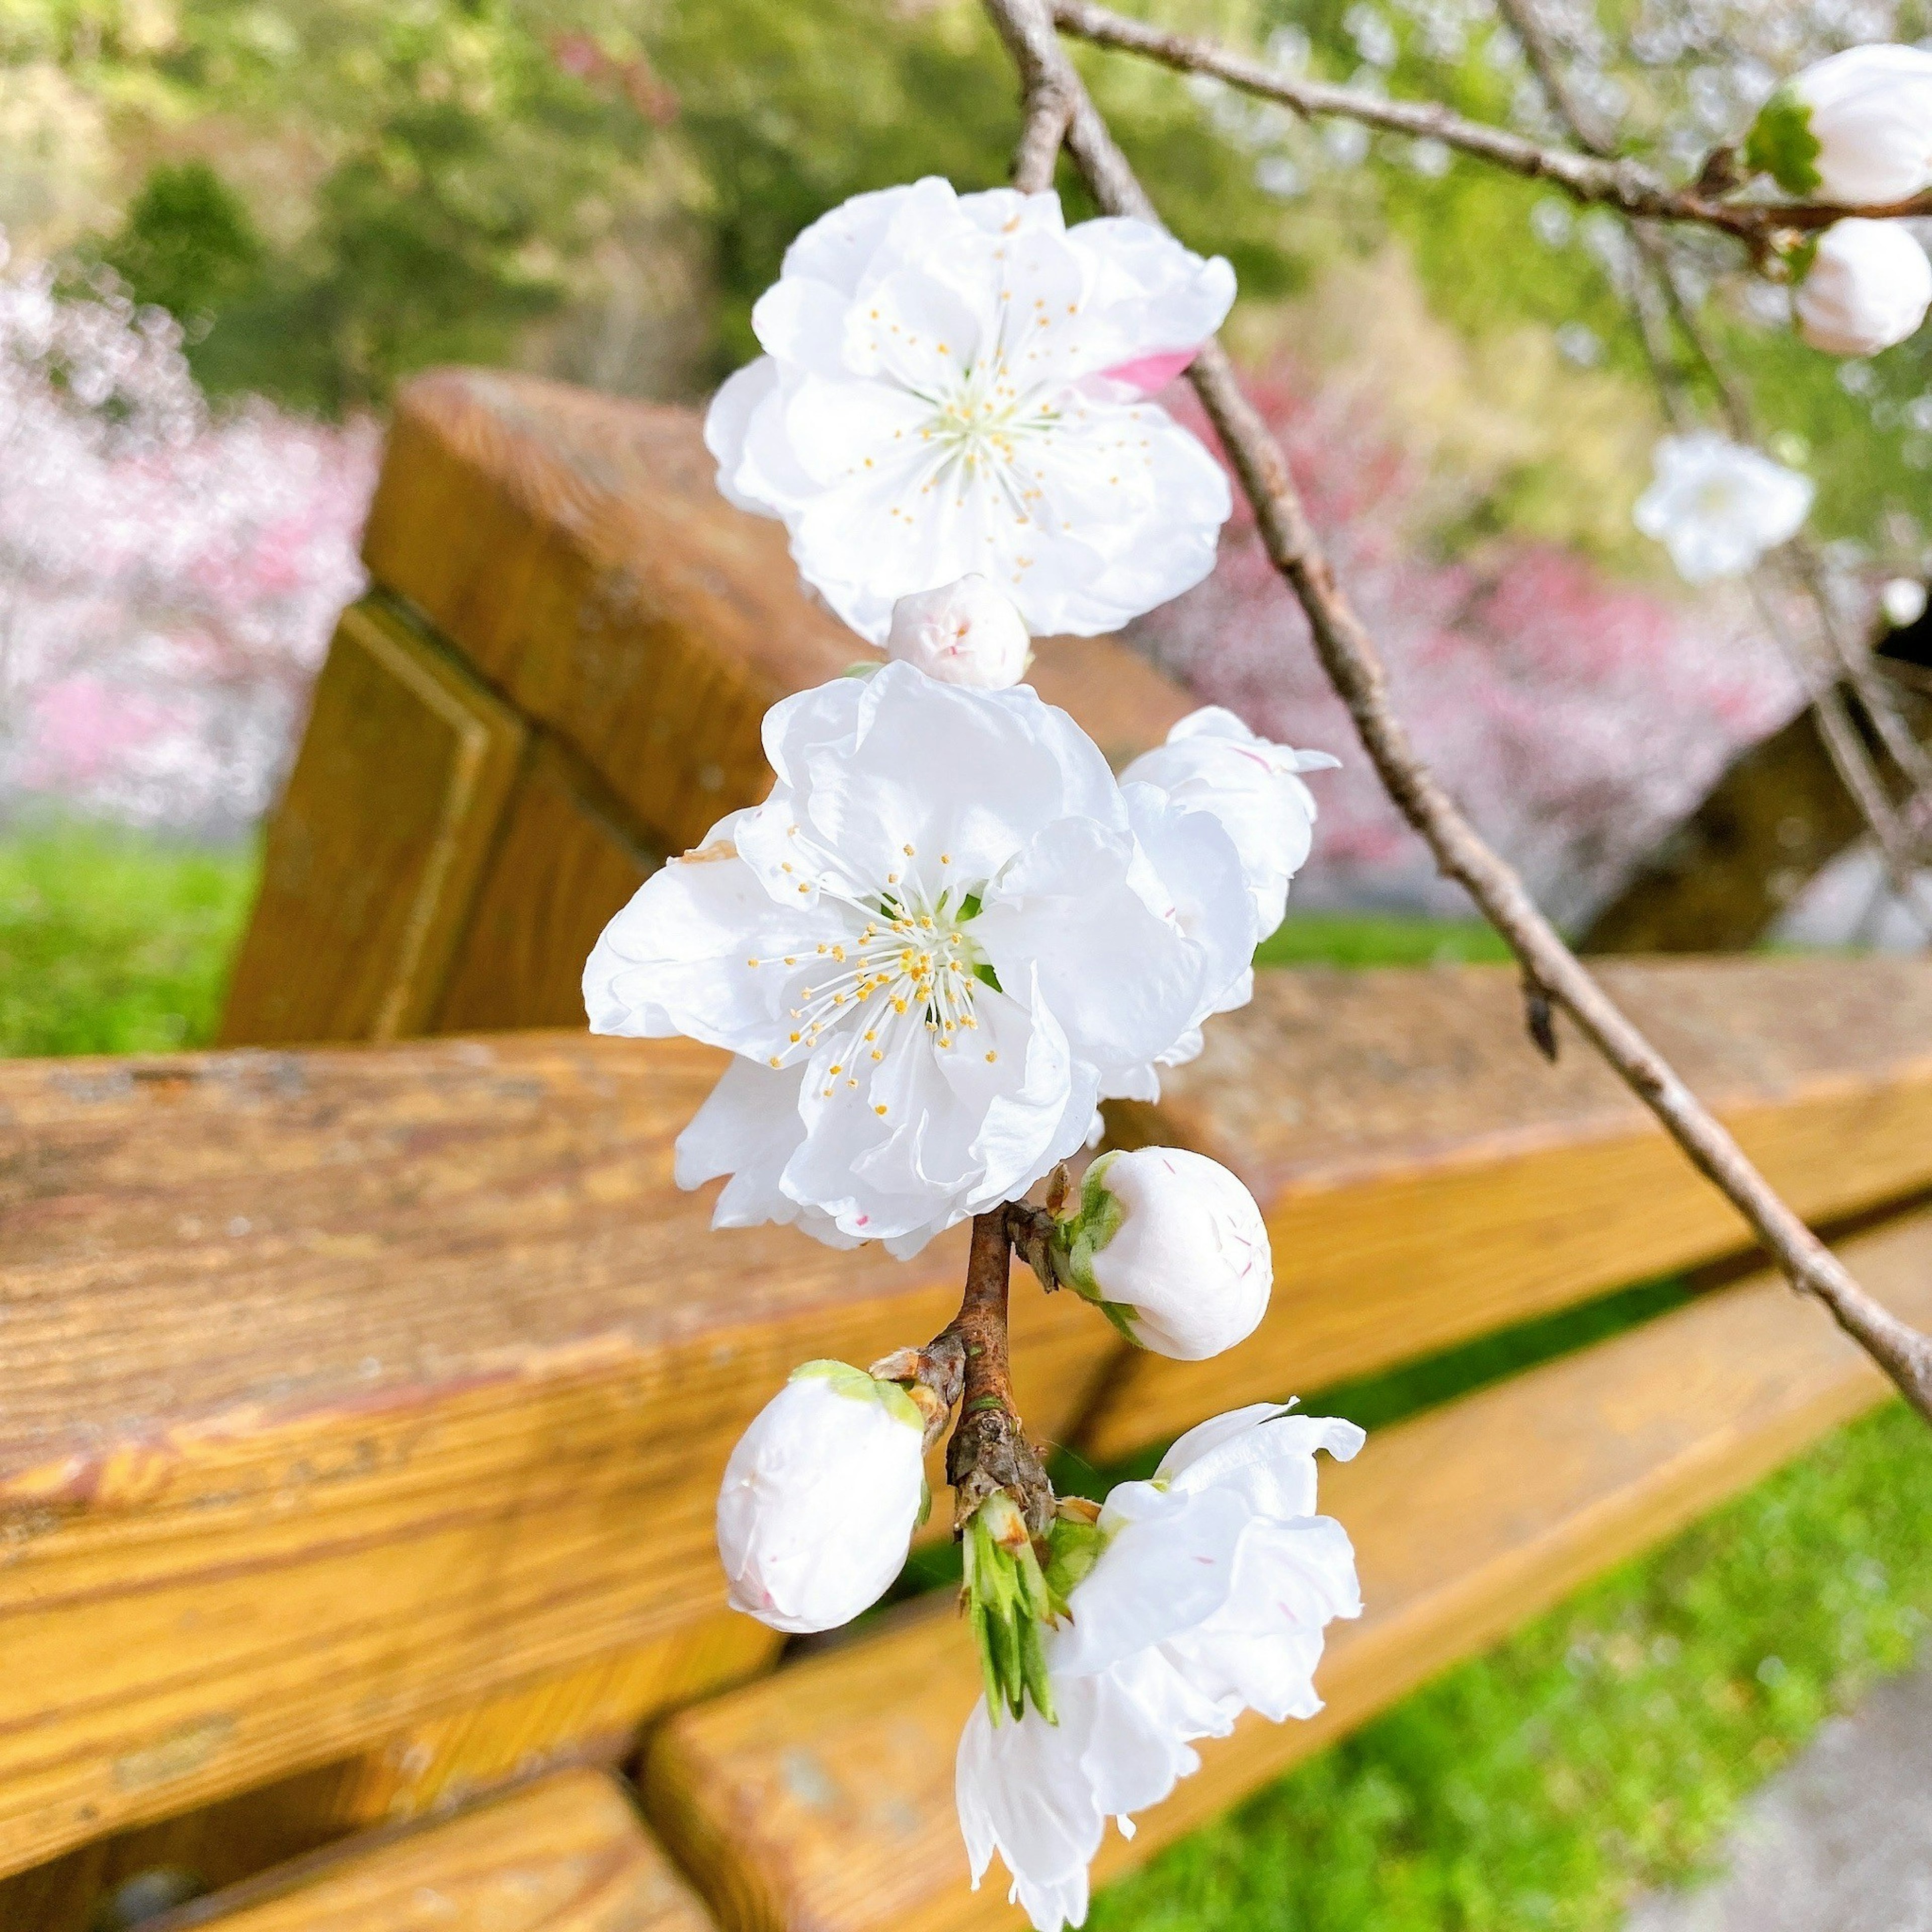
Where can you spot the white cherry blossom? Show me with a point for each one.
(955, 383)
(1717, 507)
(1210, 1598)
(1212, 762)
(946, 934)
(1175, 1247)
(963, 633)
(1868, 287)
(1861, 129)
(820, 1498)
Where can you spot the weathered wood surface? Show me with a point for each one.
(820, 1799)
(576, 590)
(566, 1854)
(388, 818)
(346, 1386)
(1427, 1178)
(411, 1374)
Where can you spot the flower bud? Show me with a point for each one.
(1856, 129)
(820, 1498)
(1903, 601)
(965, 633)
(1173, 1247)
(1868, 287)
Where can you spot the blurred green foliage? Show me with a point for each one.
(113, 941)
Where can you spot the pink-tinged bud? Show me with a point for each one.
(965, 633)
(820, 1498)
(1867, 288)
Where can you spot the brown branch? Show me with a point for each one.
(989, 1450)
(1600, 176)
(1349, 656)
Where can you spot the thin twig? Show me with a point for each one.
(1349, 656)
(1612, 181)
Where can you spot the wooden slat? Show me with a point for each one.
(588, 1714)
(1426, 1178)
(387, 818)
(346, 1387)
(822, 1797)
(566, 1854)
(561, 868)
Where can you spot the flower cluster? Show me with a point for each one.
(1196, 1596)
(956, 383)
(948, 933)
(1856, 130)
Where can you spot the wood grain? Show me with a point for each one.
(565, 1854)
(821, 1798)
(1426, 1178)
(348, 1386)
(588, 1714)
(385, 821)
(562, 866)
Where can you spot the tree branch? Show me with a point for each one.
(1599, 177)
(1349, 656)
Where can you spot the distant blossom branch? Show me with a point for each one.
(1601, 178)
(1349, 656)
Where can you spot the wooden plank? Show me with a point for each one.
(346, 1386)
(386, 819)
(566, 1854)
(588, 1714)
(822, 1796)
(562, 866)
(574, 548)
(1426, 1178)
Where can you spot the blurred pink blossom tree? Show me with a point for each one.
(1576, 717)
(169, 577)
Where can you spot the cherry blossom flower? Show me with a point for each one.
(1854, 129)
(1208, 1597)
(956, 384)
(1868, 287)
(1213, 762)
(820, 1498)
(963, 633)
(1717, 507)
(1174, 1249)
(943, 938)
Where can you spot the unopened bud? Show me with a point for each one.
(1174, 1249)
(1868, 287)
(965, 633)
(1903, 602)
(820, 1498)
(1856, 129)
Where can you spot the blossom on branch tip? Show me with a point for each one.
(1856, 129)
(1174, 1249)
(820, 1498)
(1212, 762)
(956, 383)
(1208, 1597)
(963, 633)
(1717, 506)
(1866, 287)
(944, 937)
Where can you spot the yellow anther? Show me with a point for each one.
(750, 962)
(880, 1108)
(776, 1061)
(990, 1058)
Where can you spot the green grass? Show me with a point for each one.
(114, 943)
(1602, 1747)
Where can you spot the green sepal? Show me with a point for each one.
(1008, 1601)
(841, 1379)
(1084, 1234)
(924, 1504)
(1073, 1548)
(1781, 144)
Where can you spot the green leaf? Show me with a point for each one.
(1782, 145)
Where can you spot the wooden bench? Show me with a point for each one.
(565, 1854)
(558, 678)
(366, 1405)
